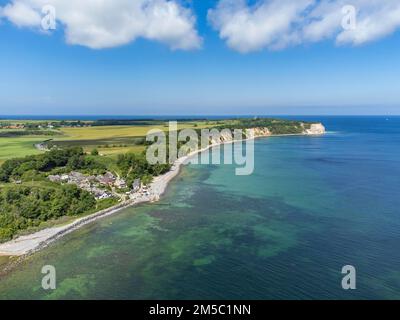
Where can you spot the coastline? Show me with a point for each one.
(24, 246)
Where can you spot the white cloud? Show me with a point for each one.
(21, 14)
(265, 24)
(101, 24)
(376, 19)
(276, 24)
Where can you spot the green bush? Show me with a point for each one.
(22, 207)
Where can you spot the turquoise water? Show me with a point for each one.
(313, 205)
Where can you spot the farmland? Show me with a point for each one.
(109, 137)
(109, 140)
(111, 132)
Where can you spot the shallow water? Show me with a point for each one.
(313, 205)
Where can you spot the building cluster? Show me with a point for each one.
(12, 126)
(101, 186)
(33, 125)
(42, 126)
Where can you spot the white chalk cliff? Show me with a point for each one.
(315, 129)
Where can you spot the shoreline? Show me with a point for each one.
(24, 246)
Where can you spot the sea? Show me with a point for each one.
(312, 206)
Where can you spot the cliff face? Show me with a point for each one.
(315, 129)
(261, 132)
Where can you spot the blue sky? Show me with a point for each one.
(44, 74)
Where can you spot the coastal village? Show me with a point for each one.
(103, 186)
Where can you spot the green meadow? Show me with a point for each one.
(108, 140)
(115, 132)
(15, 147)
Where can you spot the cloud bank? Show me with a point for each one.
(277, 24)
(99, 24)
(245, 25)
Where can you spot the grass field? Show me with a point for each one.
(118, 150)
(119, 139)
(102, 133)
(109, 132)
(19, 146)
(109, 140)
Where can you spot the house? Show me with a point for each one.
(110, 176)
(120, 183)
(85, 185)
(76, 176)
(100, 194)
(106, 179)
(136, 185)
(91, 178)
(105, 195)
(55, 178)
